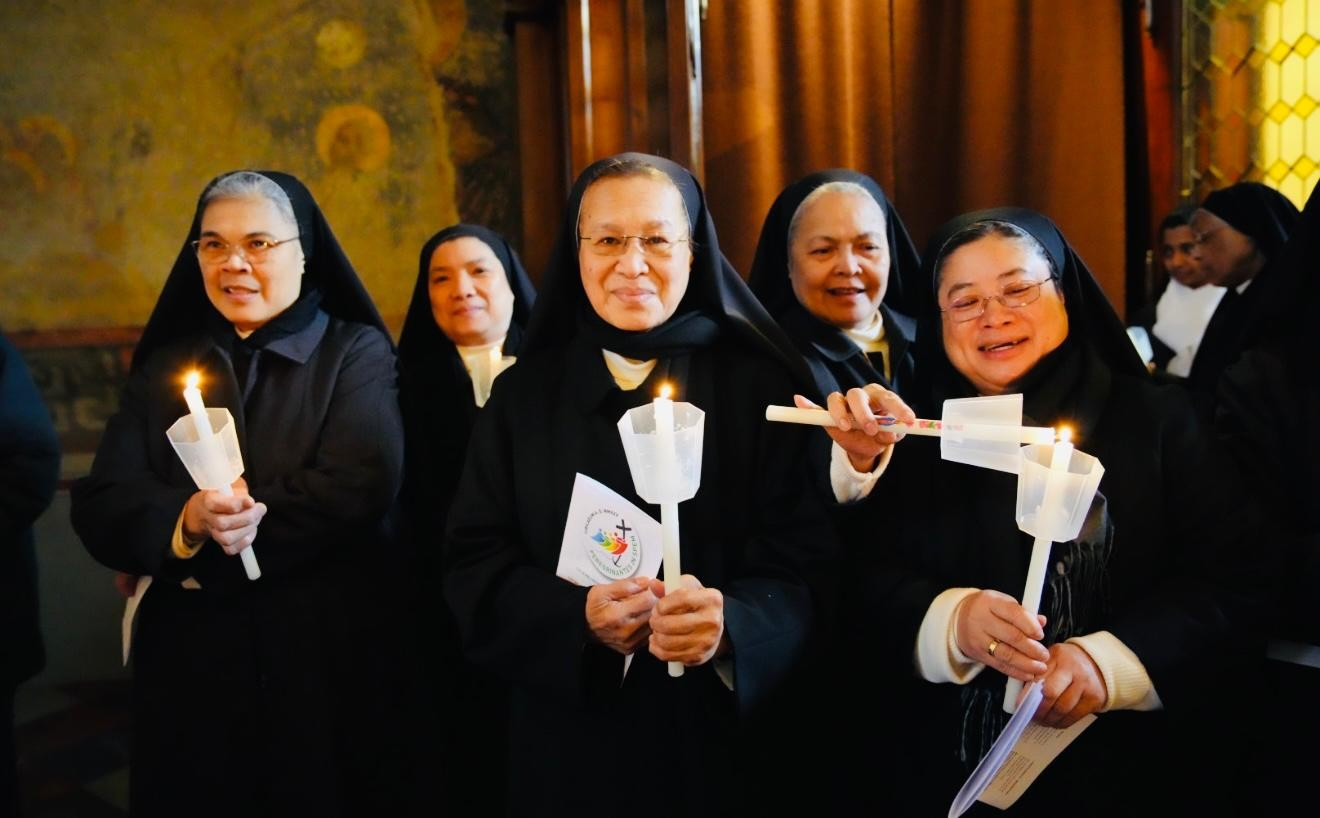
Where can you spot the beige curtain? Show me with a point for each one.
(951, 105)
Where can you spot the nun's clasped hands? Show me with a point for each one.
(688, 624)
(992, 628)
(619, 613)
(229, 520)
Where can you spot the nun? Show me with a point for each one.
(1137, 623)
(469, 308)
(265, 697)
(1240, 233)
(829, 267)
(636, 294)
(1268, 421)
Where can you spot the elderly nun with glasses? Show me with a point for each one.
(273, 696)
(1142, 617)
(637, 294)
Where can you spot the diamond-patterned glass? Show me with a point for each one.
(1251, 95)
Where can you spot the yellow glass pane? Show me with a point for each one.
(1270, 84)
(1277, 171)
(1313, 136)
(1278, 111)
(1290, 140)
(1305, 167)
(1267, 143)
(1291, 186)
(1292, 78)
(1270, 23)
(1279, 51)
(1306, 45)
(1304, 107)
(1292, 20)
(1313, 73)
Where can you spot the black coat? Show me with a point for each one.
(29, 469)
(261, 698)
(754, 530)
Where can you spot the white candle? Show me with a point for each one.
(920, 426)
(667, 465)
(213, 455)
(1048, 517)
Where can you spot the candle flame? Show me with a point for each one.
(1065, 434)
(666, 390)
(192, 379)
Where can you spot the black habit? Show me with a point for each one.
(435, 393)
(837, 364)
(276, 696)
(1268, 218)
(1148, 567)
(584, 737)
(1268, 421)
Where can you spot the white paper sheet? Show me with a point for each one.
(607, 538)
(1018, 756)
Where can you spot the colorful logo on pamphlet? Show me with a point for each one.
(612, 545)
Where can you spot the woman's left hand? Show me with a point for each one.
(687, 625)
(1073, 687)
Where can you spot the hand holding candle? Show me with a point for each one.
(204, 453)
(1065, 481)
(663, 443)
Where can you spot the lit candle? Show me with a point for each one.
(213, 455)
(1048, 518)
(667, 465)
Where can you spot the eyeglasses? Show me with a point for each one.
(970, 307)
(611, 244)
(214, 251)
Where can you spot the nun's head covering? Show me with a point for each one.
(421, 339)
(183, 305)
(1095, 331)
(717, 300)
(769, 276)
(1257, 210)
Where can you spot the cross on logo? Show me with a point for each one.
(623, 529)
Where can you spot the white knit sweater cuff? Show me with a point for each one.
(1128, 684)
(938, 658)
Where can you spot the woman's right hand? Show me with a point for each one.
(856, 429)
(992, 628)
(619, 613)
(230, 521)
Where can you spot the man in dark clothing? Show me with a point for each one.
(29, 468)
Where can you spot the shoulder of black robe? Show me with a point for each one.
(183, 306)
(715, 291)
(1096, 339)
(769, 280)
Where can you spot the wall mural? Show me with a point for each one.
(398, 116)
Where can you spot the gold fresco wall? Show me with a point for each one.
(113, 115)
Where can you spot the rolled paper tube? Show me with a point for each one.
(921, 426)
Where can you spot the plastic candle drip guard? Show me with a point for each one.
(1074, 496)
(641, 445)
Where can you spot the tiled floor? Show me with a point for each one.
(73, 744)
